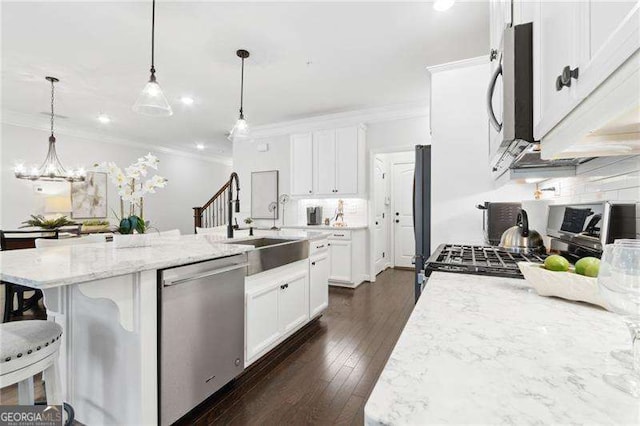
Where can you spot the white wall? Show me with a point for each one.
(460, 156)
(192, 181)
(398, 135)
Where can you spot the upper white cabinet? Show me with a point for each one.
(301, 157)
(324, 149)
(586, 74)
(346, 159)
(328, 162)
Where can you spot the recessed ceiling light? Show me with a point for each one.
(104, 118)
(442, 5)
(186, 100)
(200, 146)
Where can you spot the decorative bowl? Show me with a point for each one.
(566, 285)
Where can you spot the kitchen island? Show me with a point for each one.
(107, 300)
(489, 350)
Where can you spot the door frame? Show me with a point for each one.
(371, 208)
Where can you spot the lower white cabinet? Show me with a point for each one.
(318, 283)
(293, 303)
(276, 305)
(340, 261)
(262, 327)
(348, 257)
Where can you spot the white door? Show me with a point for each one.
(294, 303)
(324, 146)
(380, 220)
(347, 161)
(301, 164)
(402, 200)
(262, 327)
(340, 260)
(318, 284)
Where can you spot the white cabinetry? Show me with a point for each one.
(301, 158)
(348, 254)
(319, 280)
(328, 162)
(293, 303)
(276, 305)
(586, 73)
(340, 261)
(262, 328)
(324, 149)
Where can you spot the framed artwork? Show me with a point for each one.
(264, 192)
(89, 198)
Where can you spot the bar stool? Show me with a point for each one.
(28, 348)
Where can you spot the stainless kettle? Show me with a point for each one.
(521, 239)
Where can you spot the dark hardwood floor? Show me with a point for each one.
(325, 373)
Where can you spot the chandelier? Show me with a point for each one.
(51, 169)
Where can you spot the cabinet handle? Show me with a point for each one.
(564, 79)
(313, 263)
(282, 287)
(376, 223)
(286, 286)
(493, 55)
(320, 246)
(397, 221)
(309, 191)
(338, 235)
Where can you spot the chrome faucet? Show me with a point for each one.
(233, 177)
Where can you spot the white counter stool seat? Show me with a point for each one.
(26, 349)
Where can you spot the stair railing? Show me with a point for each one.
(213, 212)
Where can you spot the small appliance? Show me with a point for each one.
(497, 218)
(314, 215)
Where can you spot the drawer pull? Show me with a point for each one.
(338, 235)
(320, 246)
(564, 79)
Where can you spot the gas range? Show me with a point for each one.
(478, 260)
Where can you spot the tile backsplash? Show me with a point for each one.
(355, 209)
(606, 178)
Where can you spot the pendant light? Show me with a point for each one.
(51, 169)
(241, 128)
(152, 101)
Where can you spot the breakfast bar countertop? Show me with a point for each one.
(487, 350)
(59, 266)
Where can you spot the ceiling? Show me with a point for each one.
(306, 59)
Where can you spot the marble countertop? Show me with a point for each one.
(57, 266)
(488, 350)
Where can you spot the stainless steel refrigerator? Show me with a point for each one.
(422, 213)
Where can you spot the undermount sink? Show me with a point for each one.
(263, 242)
(271, 253)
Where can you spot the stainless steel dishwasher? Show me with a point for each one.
(201, 332)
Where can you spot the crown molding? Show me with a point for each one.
(470, 62)
(342, 119)
(30, 121)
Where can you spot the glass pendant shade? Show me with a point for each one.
(240, 130)
(152, 101)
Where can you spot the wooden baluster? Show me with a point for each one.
(197, 218)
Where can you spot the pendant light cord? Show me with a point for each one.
(52, 100)
(242, 90)
(153, 33)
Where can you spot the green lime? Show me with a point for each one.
(583, 264)
(592, 269)
(557, 263)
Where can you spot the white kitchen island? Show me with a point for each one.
(486, 350)
(106, 299)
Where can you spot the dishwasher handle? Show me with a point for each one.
(169, 282)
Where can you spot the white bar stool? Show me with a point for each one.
(26, 349)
